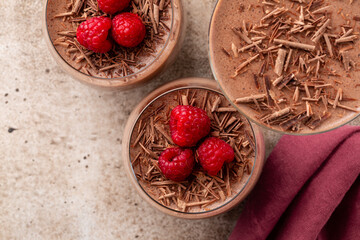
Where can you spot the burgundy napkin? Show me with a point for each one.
(309, 189)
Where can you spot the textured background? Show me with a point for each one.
(61, 175)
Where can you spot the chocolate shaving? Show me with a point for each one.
(337, 98)
(277, 114)
(226, 109)
(320, 31)
(242, 35)
(316, 121)
(343, 106)
(226, 52)
(321, 10)
(328, 44)
(346, 39)
(346, 60)
(302, 46)
(256, 81)
(235, 50)
(77, 45)
(300, 118)
(163, 132)
(216, 104)
(244, 64)
(280, 60)
(77, 6)
(286, 80)
(251, 45)
(249, 99)
(288, 59)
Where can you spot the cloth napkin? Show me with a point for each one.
(309, 189)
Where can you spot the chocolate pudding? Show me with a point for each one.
(200, 192)
(121, 67)
(292, 66)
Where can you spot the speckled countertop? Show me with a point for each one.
(61, 174)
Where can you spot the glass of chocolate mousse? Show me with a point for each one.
(291, 66)
(121, 67)
(147, 135)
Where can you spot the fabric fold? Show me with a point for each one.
(349, 214)
(303, 182)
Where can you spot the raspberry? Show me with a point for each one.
(113, 6)
(128, 29)
(188, 125)
(213, 152)
(93, 34)
(176, 163)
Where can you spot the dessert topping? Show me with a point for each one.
(93, 34)
(128, 30)
(112, 6)
(176, 163)
(213, 153)
(188, 125)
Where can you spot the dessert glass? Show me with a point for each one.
(230, 202)
(165, 57)
(227, 87)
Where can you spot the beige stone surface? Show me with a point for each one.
(61, 173)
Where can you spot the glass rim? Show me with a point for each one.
(114, 78)
(252, 119)
(132, 169)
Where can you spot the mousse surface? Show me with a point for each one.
(294, 86)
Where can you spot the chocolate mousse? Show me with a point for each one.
(163, 22)
(200, 192)
(289, 65)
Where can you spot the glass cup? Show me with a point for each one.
(227, 85)
(246, 184)
(164, 58)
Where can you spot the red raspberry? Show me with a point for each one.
(93, 34)
(128, 29)
(213, 152)
(113, 6)
(188, 125)
(176, 163)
